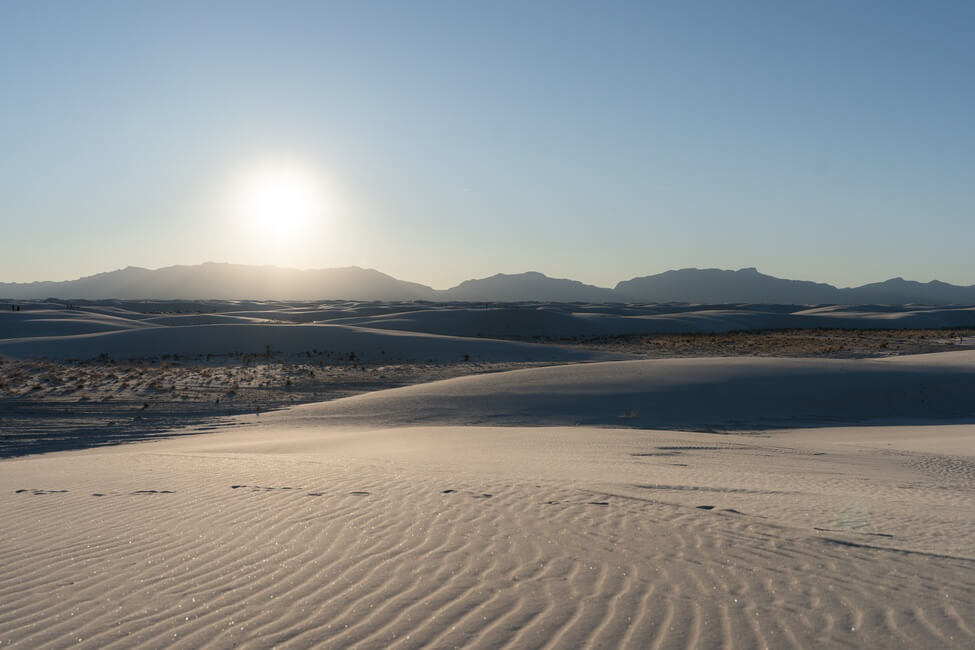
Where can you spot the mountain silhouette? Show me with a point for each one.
(228, 282)
(219, 281)
(718, 286)
(528, 286)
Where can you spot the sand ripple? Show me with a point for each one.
(201, 551)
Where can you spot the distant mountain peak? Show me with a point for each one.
(527, 286)
(222, 280)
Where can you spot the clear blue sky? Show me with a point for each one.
(831, 141)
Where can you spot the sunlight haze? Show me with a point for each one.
(440, 141)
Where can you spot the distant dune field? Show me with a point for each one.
(597, 500)
(146, 328)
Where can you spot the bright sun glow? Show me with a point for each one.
(280, 204)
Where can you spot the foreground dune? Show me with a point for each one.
(322, 525)
(726, 393)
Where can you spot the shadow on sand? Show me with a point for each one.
(35, 427)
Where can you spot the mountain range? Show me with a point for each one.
(232, 281)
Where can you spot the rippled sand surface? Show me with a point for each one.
(316, 526)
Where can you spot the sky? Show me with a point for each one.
(442, 141)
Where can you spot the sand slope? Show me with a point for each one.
(300, 530)
(550, 321)
(486, 538)
(335, 340)
(556, 321)
(724, 393)
(15, 325)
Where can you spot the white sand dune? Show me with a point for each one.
(879, 316)
(333, 341)
(523, 321)
(724, 393)
(488, 322)
(60, 323)
(561, 321)
(183, 320)
(294, 535)
(387, 521)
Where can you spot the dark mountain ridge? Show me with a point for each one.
(240, 282)
(524, 287)
(227, 282)
(719, 286)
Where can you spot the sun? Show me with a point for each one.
(281, 203)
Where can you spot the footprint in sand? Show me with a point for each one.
(261, 488)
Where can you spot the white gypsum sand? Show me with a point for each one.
(388, 520)
(62, 328)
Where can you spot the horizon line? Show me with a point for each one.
(527, 272)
